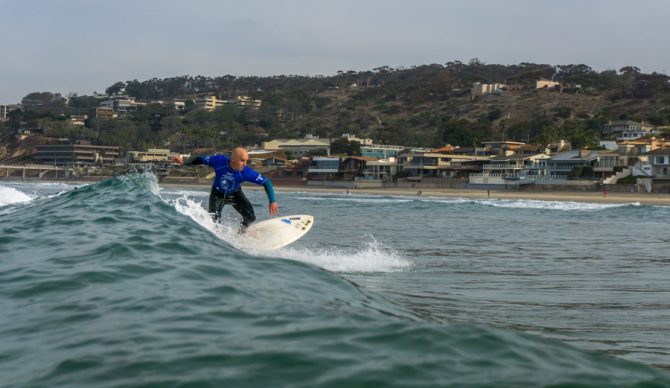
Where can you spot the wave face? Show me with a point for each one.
(123, 283)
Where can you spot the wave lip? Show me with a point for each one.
(10, 195)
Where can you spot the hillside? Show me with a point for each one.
(422, 106)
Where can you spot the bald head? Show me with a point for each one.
(239, 158)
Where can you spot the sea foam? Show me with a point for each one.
(371, 256)
(9, 195)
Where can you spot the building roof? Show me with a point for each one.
(301, 142)
(326, 158)
(503, 158)
(574, 156)
(260, 153)
(448, 148)
(509, 158)
(660, 151)
(362, 158)
(627, 122)
(504, 142)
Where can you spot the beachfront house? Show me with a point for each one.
(418, 165)
(324, 168)
(354, 166)
(567, 164)
(505, 169)
(660, 163)
(381, 170)
(610, 162)
(381, 151)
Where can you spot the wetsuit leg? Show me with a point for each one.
(244, 207)
(216, 202)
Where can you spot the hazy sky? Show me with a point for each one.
(84, 46)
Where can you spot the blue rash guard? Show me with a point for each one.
(229, 181)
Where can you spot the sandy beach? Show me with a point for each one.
(656, 199)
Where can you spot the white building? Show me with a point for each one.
(5, 109)
(480, 89)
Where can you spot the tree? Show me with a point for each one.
(456, 133)
(116, 89)
(43, 101)
(83, 102)
(344, 146)
(549, 134)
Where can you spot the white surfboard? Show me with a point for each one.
(278, 232)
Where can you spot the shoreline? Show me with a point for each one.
(654, 199)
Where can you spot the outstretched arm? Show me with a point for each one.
(188, 162)
(269, 190)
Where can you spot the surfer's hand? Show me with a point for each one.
(274, 209)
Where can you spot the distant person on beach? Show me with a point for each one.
(227, 186)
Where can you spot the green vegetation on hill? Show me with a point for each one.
(426, 105)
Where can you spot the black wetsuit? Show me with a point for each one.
(239, 201)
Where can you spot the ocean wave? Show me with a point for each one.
(553, 205)
(10, 195)
(356, 199)
(371, 257)
(112, 285)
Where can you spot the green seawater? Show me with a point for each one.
(122, 283)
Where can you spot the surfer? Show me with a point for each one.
(227, 185)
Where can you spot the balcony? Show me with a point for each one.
(503, 166)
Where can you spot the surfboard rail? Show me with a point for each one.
(278, 232)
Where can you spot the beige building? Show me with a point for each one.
(627, 127)
(153, 155)
(121, 105)
(363, 142)
(209, 103)
(298, 147)
(480, 89)
(246, 102)
(81, 152)
(104, 113)
(546, 84)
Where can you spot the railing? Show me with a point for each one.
(32, 167)
(560, 168)
(503, 167)
(486, 175)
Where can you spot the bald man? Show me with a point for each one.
(227, 186)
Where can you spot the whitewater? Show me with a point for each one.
(125, 283)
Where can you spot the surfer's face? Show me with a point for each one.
(238, 160)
